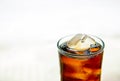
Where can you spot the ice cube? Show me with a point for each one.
(95, 47)
(80, 42)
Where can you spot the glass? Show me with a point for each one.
(77, 66)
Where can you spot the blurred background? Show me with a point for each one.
(30, 29)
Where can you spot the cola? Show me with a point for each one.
(78, 64)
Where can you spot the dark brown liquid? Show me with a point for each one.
(73, 69)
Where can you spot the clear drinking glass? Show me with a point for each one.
(80, 65)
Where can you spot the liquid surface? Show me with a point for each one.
(93, 49)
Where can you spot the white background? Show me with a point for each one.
(30, 29)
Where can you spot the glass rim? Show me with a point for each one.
(80, 55)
